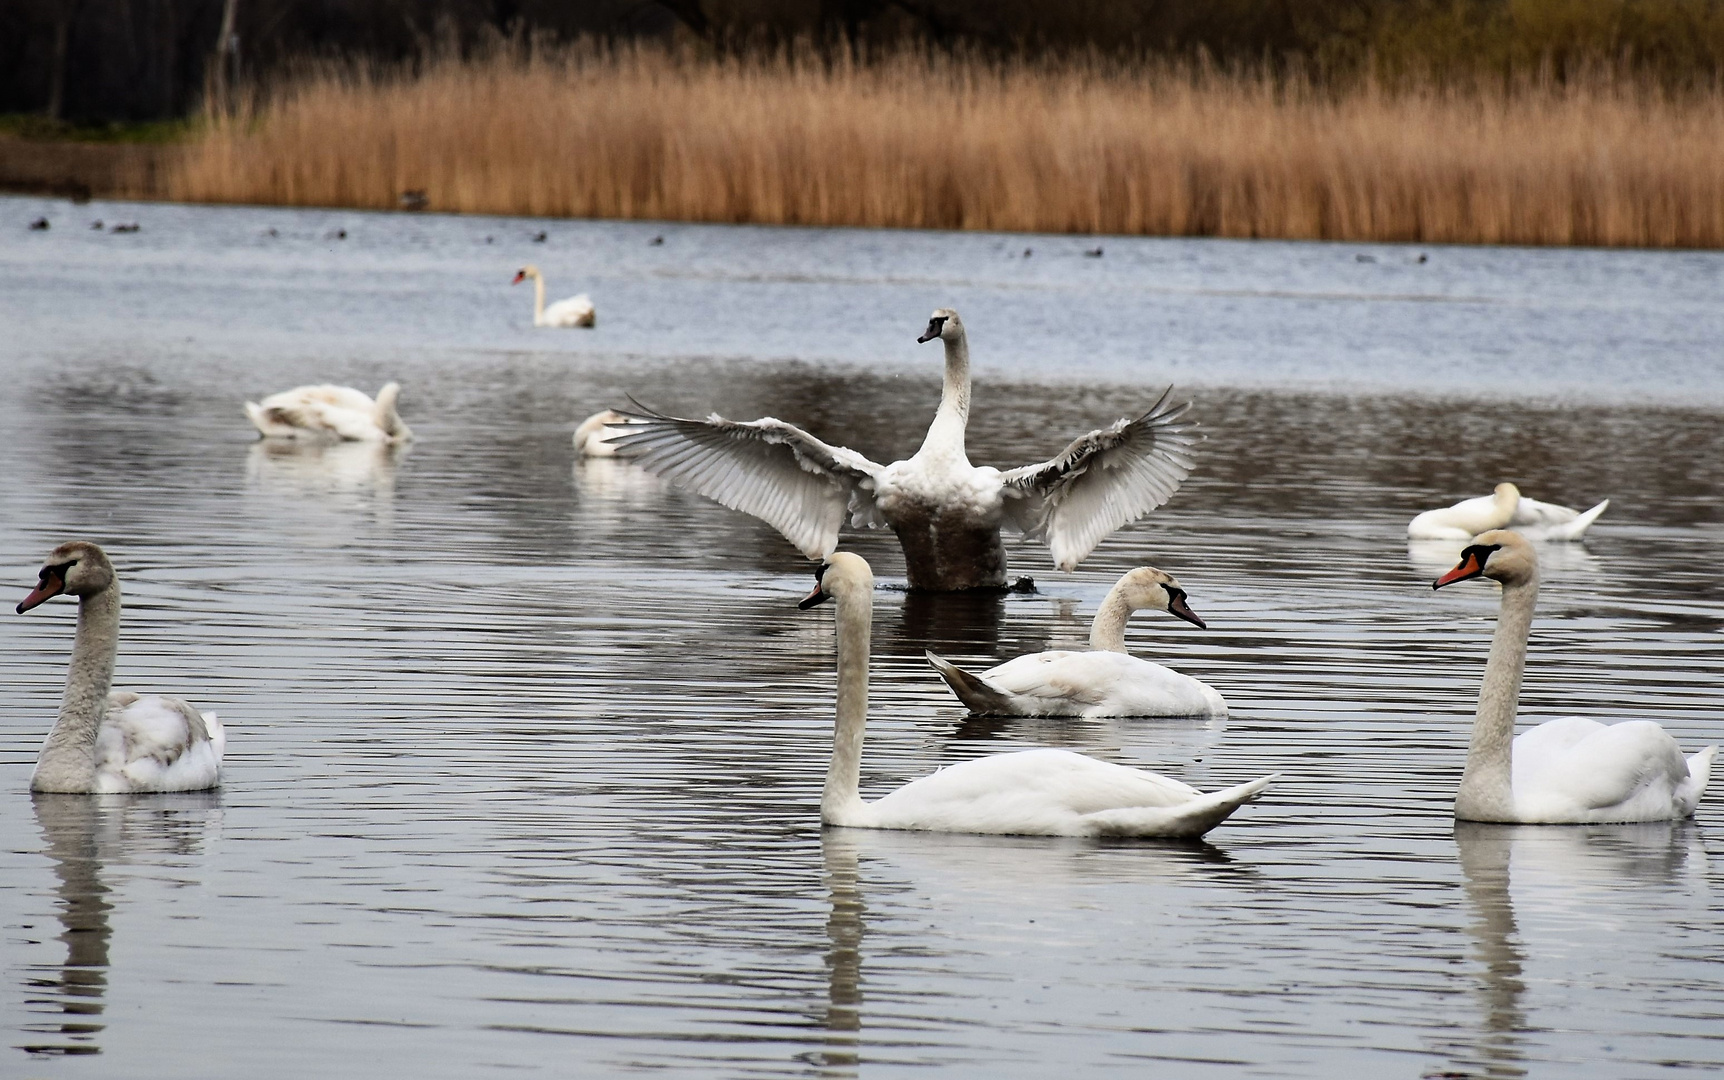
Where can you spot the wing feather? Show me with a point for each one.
(1103, 480)
(766, 468)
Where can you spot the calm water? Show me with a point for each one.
(526, 752)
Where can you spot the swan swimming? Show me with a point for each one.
(1026, 792)
(947, 513)
(107, 740)
(1505, 508)
(576, 311)
(1565, 771)
(330, 412)
(593, 437)
(1106, 680)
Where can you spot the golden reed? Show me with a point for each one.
(912, 142)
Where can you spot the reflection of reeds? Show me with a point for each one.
(954, 144)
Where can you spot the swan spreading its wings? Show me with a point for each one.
(947, 513)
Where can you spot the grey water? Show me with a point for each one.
(525, 752)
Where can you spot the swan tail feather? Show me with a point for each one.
(1185, 821)
(982, 697)
(386, 418)
(1580, 524)
(1699, 775)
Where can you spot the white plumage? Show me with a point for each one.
(107, 741)
(330, 412)
(576, 311)
(1505, 508)
(1106, 680)
(1030, 792)
(1570, 770)
(946, 512)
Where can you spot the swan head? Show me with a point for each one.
(78, 568)
(943, 324)
(843, 575)
(525, 272)
(1501, 555)
(1147, 587)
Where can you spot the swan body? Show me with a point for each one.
(107, 741)
(1104, 681)
(1029, 792)
(1566, 771)
(1505, 508)
(593, 437)
(576, 311)
(946, 512)
(330, 412)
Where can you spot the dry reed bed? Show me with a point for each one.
(953, 145)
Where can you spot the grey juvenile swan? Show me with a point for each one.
(947, 513)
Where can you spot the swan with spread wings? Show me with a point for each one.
(946, 512)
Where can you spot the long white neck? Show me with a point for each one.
(841, 802)
(1107, 632)
(1487, 789)
(538, 299)
(68, 758)
(946, 433)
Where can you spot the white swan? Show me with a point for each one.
(1029, 792)
(1105, 681)
(109, 740)
(593, 437)
(947, 513)
(1506, 508)
(575, 311)
(1569, 770)
(330, 412)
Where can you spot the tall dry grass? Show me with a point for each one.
(953, 144)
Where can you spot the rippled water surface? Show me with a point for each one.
(526, 752)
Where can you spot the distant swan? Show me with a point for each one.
(1565, 771)
(1029, 792)
(593, 437)
(1105, 681)
(330, 412)
(947, 513)
(1506, 508)
(575, 311)
(110, 740)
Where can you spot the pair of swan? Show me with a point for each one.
(947, 513)
(1106, 680)
(106, 740)
(1566, 771)
(331, 412)
(576, 311)
(1028, 792)
(1504, 508)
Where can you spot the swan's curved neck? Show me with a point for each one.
(946, 434)
(538, 299)
(1487, 786)
(841, 801)
(68, 758)
(1107, 632)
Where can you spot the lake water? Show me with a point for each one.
(526, 752)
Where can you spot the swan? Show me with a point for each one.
(330, 412)
(109, 740)
(575, 311)
(1105, 681)
(1506, 508)
(1566, 771)
(593, 437)
(947, 513)
(1028, 792)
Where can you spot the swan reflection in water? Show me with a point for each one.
(314, 467)
(83, 835)
(1573, 873)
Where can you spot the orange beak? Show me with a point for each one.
(52, 584)
(519, 277)
(1471, 567)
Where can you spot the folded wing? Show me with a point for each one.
(1102, 481)
(775, 471)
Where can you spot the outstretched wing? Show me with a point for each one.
(775, 471)
(1102, 481)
